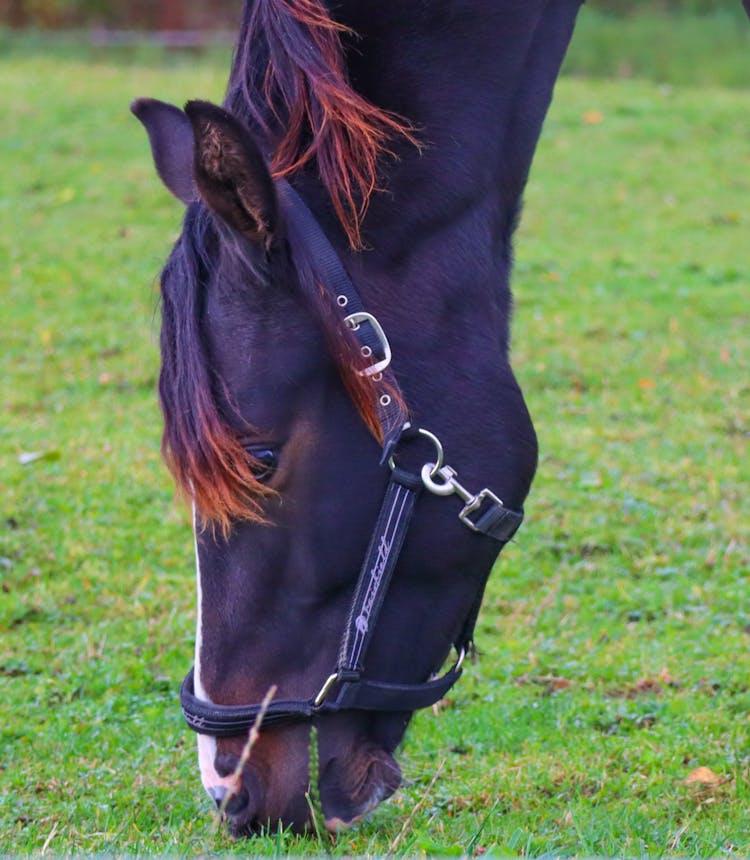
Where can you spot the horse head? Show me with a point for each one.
(286, 432)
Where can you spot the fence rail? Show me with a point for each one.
(106, 38)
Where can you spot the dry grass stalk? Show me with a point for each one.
(417, 806)
(252, 739)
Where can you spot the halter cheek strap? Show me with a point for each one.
(347, 687)
(366, 328)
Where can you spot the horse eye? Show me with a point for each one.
(265, 462)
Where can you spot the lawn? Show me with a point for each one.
(609, 713)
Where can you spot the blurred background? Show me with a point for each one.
(177, 14)
(140, 14)
(670, 41)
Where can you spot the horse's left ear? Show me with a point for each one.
(230, 172)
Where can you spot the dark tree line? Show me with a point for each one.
(136, 14)
(179, 14)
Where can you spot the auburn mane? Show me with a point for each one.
(201, 443)
(289, 82)
(289, 77)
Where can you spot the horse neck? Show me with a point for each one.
(476, 78)
(475, 75)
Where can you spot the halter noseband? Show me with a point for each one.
(483, 512)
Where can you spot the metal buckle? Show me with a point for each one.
(475, 504)
(460, 661)
(450, 485)
(325, 689)
(354, 321)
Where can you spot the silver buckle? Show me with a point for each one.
(325, 689)
(354, 321)
(447, 485)
(475, 504)
(460, 661)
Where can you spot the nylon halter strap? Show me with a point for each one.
(347, 688)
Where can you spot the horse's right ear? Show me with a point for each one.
(231, 173)
(172, 145)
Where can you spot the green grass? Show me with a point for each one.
(615, 631)
(710, 49)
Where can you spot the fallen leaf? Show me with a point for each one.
(552, 683)
(646, 384)
(703, 776)
(726, 219)
(648, 685)
(668, 679)
(592, 117)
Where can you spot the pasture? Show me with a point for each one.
(609, 710)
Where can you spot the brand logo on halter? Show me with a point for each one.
(362, 621)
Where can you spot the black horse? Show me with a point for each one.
(355, 197)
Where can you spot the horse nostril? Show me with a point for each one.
(217, 793)
(242, 808)
(236, 803)
(351, 786)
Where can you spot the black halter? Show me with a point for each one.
(347, 688)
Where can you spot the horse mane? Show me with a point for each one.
(200, 446)
(289, 78)
(202, 436)
(289, 82)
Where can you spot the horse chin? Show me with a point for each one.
(355, 775)
(246, 821)
(350, 787)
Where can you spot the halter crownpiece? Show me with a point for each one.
(346, 688)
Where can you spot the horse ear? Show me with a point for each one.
(230, 172)
(172, 146)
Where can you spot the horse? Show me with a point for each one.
(338, 399)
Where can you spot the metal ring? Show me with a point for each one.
(385, 400)
(439, 459)
(377, 377)
(439, 454)
(366, 351)
(342, 301)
